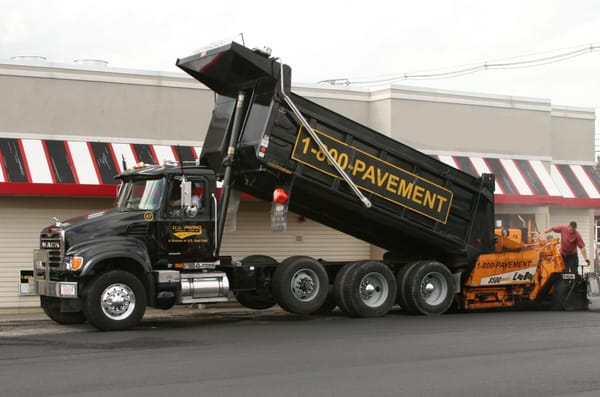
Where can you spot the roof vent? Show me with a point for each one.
(91, 62)
(28, 58)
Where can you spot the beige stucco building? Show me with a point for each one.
(64, 130)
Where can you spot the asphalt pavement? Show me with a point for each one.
(232, 351)
(33, 320)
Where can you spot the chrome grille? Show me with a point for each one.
(53, 243)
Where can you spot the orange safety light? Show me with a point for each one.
(179, 265)
(76, 262)
(280, 196)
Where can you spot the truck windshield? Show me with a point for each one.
(142, 194)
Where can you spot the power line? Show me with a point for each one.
(525, 61)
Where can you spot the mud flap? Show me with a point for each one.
(70, 305)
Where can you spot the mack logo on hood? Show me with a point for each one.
(51, 244)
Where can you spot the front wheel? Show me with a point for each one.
(51, 307)
(300, 285)
(114, 300)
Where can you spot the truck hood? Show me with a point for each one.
(108, 223)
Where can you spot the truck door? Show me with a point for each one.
(188, 230)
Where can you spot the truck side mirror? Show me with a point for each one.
(187, 204)
(186, 193)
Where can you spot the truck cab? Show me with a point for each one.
(177, 210)
(157, 247)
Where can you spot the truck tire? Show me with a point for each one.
(51, 307)
(430, 288)
(338, 288)
(114, 300)
(329, 304)
(254, 300)
(300, 285)
(401, 283)
(368, 289)
(261, 298)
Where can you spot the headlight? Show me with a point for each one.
(74, 263)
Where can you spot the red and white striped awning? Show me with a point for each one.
(83, 168)
(75, 168)
(524, 181)
(579, 185)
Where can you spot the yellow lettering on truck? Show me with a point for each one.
(376, 176)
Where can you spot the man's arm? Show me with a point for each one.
(584, 253)
(550, 229)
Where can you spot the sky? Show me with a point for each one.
(330, 39)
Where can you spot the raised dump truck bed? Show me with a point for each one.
(418, 205)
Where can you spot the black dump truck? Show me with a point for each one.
(160, 245)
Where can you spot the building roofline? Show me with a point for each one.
(109, 74)
(105, 74)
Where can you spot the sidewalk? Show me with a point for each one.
(12, 315)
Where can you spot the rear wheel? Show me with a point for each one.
(300, 285)
(51, 307)
(254, 299)
(329, 304)
(430, 288)
(338, 288)
(368, 289)
(402, 286)
(114, 300)
(261, 298)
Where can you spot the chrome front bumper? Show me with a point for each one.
(41, 284)
(58, 289)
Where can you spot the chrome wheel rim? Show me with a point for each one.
(118, 301)
(434, 288)
(374, 289)
(305, 285)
